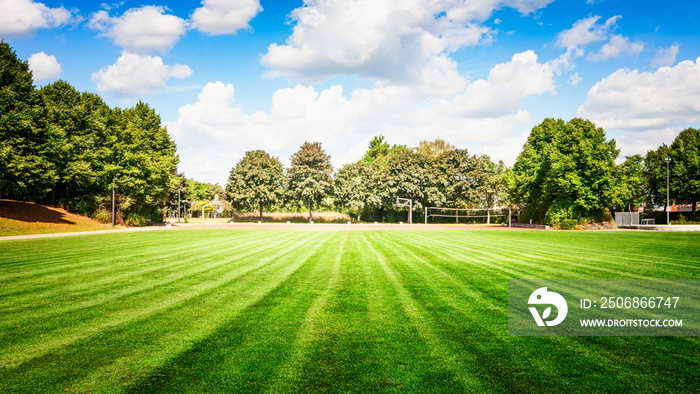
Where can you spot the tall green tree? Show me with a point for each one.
(353, 188)
(655, 175)
(310, 176)
(257, 181)
(634, 181)
(378, 147)
(145, 159)
(489, 181)
(567, 171)
(27, 144)
(685, 167)
(84, 123)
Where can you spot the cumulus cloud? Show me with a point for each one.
(141, 30)
(630, 100)
(136, 75)
(44, 67)
(22, 17)
(667, 56)
(217, 17)
(483, 112)
(574, 80)
(617, 46)
(385, 39)
(586, 31)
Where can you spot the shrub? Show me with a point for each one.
(568, 224)
(135, 220)
(103, 215)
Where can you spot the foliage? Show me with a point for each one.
(568, 224)
(135, 220)
(257, 181)
(377, 148)
(655, 174)
(65, 147)
(310, 176)
(685, 168)
(567, 171)
(634, 181)
(28, 146)
(353, 190)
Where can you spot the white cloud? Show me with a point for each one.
(44, 67)
(136, 75)
(574, 79)
(141, 30)
(385, 39)
(630, 100)
(617, 46)
(224, 16)
(483, 112)
(586, 31)
(666, 57)
(22, 17)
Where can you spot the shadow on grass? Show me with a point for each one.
(31, 213)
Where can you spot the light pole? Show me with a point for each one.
(113, 204)
(668, 207)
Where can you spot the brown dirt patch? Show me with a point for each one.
(18, 218)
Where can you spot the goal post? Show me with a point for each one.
(469, 214)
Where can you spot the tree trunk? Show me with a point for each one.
(261, 211)
(695, 206)
(311, 215)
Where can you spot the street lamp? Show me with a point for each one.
(668, 207)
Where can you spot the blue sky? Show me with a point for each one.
(231, 76)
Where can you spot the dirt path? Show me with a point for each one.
(275, 226)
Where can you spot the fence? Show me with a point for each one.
(627, 219)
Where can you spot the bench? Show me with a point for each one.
(648, 222)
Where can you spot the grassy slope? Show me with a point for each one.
(284, 311)
(21, 218)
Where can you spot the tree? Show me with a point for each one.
(685, 167)
(377, 148)
(84, 123)
(145, 160)
(310, 175)
(567, 171)
(655, 175)
(490, 184)
(353, 188)
(27, 145)
(634, 180)
(434, 150)
(256, 181)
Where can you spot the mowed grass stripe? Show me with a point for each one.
(450, 372)
(327, 311)
(64, 330)
(245, 352)
(86, 286)
(115, 249)
(556, 259)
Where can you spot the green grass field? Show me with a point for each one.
(322, 311)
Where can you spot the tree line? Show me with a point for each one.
(64, 147)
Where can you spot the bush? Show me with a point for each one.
(568, 224)
(135, 220)
(103, 215)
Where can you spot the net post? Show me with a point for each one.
(426, 217)
(508, 216)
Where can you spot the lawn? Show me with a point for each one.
(322, 311)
